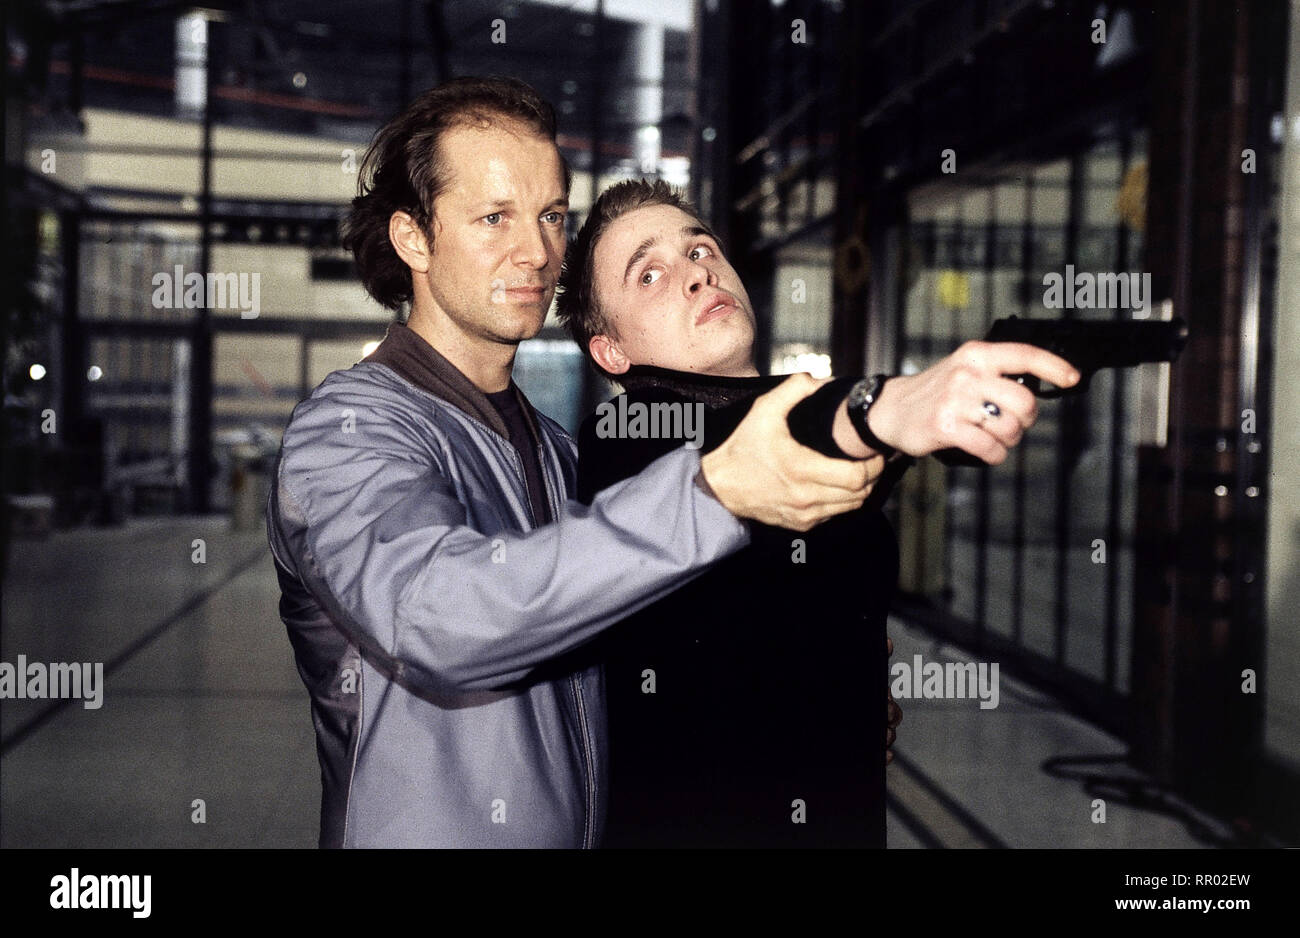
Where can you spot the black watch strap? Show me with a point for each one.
(861, 397)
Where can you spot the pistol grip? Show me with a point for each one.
(1032, 382)
(958, 457)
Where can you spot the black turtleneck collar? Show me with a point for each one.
(710, 390)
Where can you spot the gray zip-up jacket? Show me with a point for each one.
(420, 602)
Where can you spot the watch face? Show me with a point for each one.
(861, 396)
(864, 392)
(858, 393)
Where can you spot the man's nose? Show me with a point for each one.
(530, 250)
(698, 277)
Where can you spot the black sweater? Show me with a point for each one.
(766, 723)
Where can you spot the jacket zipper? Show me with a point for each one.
(588, 762)
(588, 766)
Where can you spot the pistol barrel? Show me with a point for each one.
(1089, 344)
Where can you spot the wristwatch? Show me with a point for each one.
(861, 396)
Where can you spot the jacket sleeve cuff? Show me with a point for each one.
(708, 505)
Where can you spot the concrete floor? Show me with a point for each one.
(202, 703)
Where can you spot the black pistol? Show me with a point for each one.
(1087, 344)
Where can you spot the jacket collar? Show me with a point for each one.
(425, 367)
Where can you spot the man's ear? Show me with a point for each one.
(409, 241)
(608, 355)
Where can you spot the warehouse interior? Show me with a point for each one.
(889, 178)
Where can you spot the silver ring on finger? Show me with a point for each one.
(990, 410)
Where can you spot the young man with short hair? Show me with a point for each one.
(745, 707)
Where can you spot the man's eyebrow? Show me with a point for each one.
(639, 253)
(560, 201)
(695, 231)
